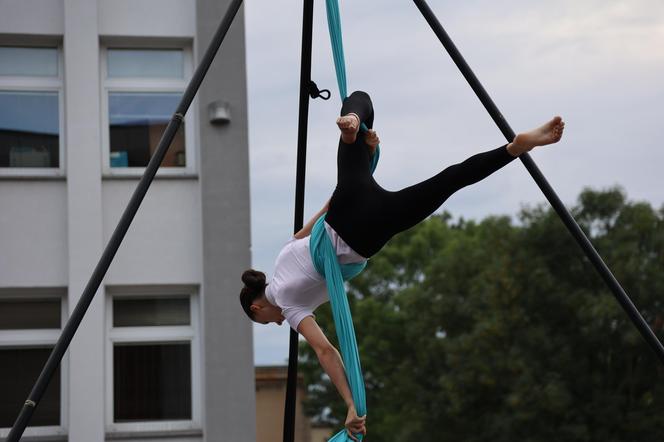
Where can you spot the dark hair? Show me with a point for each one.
(254, 288)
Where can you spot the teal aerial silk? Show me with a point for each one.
(325, 260)
(324, 256)
(334, 26)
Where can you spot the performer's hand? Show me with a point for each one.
(355, 424)
(372, 140)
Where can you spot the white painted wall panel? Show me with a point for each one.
(20, 17)
(84, 418)
(163, 244)
(150, 18)
(33, 233)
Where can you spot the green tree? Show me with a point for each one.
(501, 331)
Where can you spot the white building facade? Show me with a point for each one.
(86, 90)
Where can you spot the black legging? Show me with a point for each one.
(365, 215)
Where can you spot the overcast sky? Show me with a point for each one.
(597, 63)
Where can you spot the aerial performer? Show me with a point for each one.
(361, 217)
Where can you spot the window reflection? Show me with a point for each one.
(137, 122)
(29, 129)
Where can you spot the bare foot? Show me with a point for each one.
(349, 125)
(548, 133)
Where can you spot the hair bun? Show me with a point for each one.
(254, 279)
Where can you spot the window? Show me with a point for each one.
(30, 109)
(142, 88)
(30, 325)
(154, 383)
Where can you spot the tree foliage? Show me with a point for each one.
(502, 331)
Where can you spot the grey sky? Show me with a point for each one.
(599, 64)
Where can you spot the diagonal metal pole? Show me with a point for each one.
(543, 184)
(305, 80)
(121, 229)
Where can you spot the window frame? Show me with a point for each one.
(40, 338)
(155, 334)
(24, 83)
(150, 84)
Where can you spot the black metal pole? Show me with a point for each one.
(121, 229)
(543, 184)
(305, 79)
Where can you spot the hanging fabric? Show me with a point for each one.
(325, 259)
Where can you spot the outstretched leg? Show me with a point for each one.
(411, 205)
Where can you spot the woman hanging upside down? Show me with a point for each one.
(361, 218)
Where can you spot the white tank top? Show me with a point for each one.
(296, 287)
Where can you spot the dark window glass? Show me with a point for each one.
(19, 369)
(150, 312)
(29, 129)
(152, 382)
(137, 122)
(22, 314)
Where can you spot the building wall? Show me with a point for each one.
(33, 212)
(168, 18)
(224, 165)
(164, 242)
(19, 18)
(270, 400)
(191, 232)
